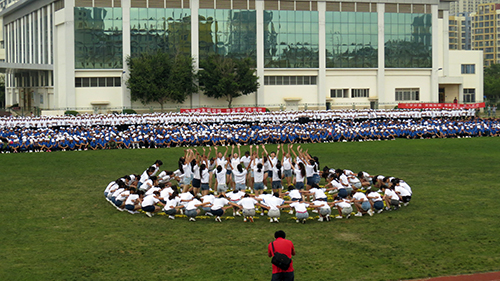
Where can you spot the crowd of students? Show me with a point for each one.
(210, 182)
(91, 132)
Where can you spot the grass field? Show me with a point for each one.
(56, 225)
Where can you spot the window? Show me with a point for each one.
(469, 95)
(407, 94)
(339, 93)
(360, 93)
(468, 68)
(290, 80)
(84, 82)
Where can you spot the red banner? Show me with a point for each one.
(224, 110)
(441, 105)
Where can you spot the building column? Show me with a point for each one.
(259, 7)
(322, 55)
(195, 45)
(446, 44)
(381, 53)
(64, 61)
(126, 41)
(435, 53)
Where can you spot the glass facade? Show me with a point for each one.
(291, 39)
(98, 38)
(351, 40)
(408, 41)
(153, 29)
(226, 32)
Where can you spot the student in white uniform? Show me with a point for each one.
(219, 206)
(133, 202)
(149, 204)
(273, 205)
(246, 159)
(172, 204)
(192, 208)
(391, 198)
(344, 207)
(324, 210)
(287, 165)
(220, 175)
(300, 208)
(376, 201)
(247, 205)
(234, 197)
(208, 198)
(239, 176)
(258, 178)
(362, 204)
(403, 193)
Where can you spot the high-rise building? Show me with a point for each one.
(460, 27)
(467, 6)
(485, 32)
(71, 54)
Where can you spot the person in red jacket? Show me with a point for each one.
(284, 246)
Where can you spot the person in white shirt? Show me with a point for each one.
(301, 210)
(247, 205)
(208, 198)
(219, 206)
(258, 178)
(149, 204)
(133, 202)
(376, 201)
(344, 207)
(287, 165)
(365, 179)
(324, 210)
(156, 166)
(234, 162)
(220, 175)
(172, 204)
(192, 208)
(391, 198)
(362, 204)
(239, 177)
(145, 176)
(149, 183)
(246, 163)
(403, 193)
(234, 197)
(273, 205)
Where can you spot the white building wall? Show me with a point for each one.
(380, 81)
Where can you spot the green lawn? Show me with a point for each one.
(55, 223)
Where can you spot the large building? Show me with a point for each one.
(71, 54)
(467, 6)
(460, 27)
(486, 23)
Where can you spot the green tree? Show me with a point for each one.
(159, 77)
(492, 82)
(224, 77)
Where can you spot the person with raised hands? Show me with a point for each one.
(287, 164)
(276, 173)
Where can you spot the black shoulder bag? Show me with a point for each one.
(280, 260)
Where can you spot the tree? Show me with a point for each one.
(492, 82)
(224, 77)
(159, 77)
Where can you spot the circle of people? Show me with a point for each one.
(253, 183)
(158, 130)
